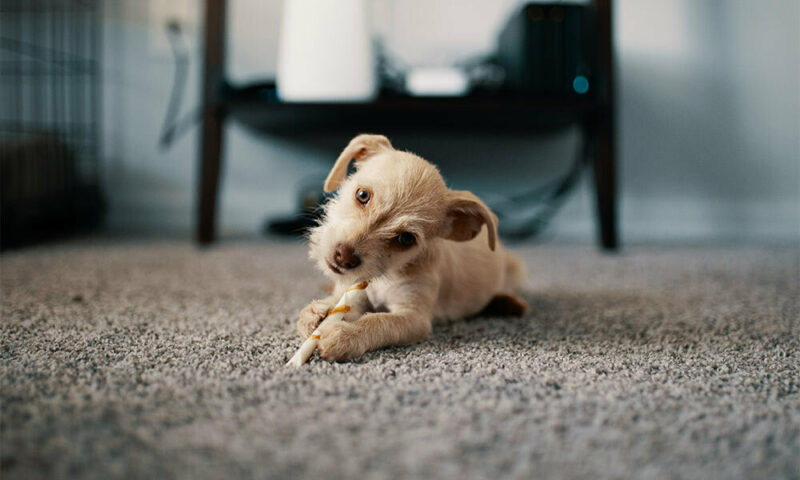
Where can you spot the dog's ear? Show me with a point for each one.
(360, 148)
(466, 214)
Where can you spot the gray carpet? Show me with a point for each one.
(156, 360)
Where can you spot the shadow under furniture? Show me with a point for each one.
(258, 106)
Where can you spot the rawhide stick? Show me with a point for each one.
(336, 313)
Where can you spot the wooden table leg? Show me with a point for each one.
(603, 158)
(213, 121)
(210, 165)
(604, 171)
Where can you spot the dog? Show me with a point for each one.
(429, 252)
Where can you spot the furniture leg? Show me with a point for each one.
(213, 118)
(604, 172)
(210, 165)
(603, 128)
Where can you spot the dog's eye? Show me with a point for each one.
(363, 196)
(406, 239)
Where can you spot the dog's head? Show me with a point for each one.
(386, 213)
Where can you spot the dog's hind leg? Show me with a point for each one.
(516, 273)
(505, 305)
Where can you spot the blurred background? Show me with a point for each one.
(101, 100)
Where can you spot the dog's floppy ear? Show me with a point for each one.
(466, 214)
(360, 148)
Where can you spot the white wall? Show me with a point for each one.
(709, 118)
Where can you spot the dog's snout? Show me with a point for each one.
(345, 256)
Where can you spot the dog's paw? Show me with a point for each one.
(310, 317)
(338, 341)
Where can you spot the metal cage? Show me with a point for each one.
(50, 53)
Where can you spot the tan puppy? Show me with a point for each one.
(423, 246)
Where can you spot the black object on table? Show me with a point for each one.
(259, 107)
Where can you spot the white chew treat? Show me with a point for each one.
(336, 313)
(304, 352)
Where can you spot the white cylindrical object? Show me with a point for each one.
(325, 52)
(305, 351)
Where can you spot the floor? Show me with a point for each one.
(159, 360)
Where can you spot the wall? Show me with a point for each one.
(708, 128)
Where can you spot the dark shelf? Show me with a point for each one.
(258, 107)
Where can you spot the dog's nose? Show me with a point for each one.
(345, 257)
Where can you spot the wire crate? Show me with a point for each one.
(50, 54)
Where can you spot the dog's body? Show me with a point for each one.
(422, 245)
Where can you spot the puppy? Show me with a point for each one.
(429, 252)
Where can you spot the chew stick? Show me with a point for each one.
(336, 313)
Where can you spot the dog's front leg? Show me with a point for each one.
(317, 310)
(341, 341)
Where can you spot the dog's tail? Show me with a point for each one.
(516, 273)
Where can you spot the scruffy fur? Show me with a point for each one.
(455, 268)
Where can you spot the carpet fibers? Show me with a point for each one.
(158, 360)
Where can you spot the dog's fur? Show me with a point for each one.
(455, 269)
